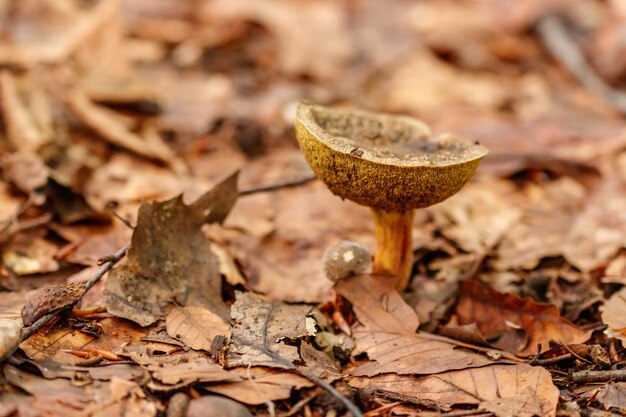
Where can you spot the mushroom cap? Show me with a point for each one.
(382, 160)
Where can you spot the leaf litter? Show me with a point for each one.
(111, 110)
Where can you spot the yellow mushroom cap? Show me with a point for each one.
(383, 160)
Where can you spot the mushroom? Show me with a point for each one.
(389, 163)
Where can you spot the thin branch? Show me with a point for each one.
(288, 365)
(106, 267)
(276, 186)
(599, 376)
(558, 41)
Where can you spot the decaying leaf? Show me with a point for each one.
(55, 343)
(504, 390)
(260, 323)
(170, 260)
(612, 396)
(197, 327)
(51, 298)
(501, 315)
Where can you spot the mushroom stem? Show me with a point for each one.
(394, 248)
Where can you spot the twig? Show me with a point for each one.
(111, 208)
(558, 41)
(111, 261)
(555, 359)
(288, 365)
(276, 186)
(599, 376)
(298, 406)
(536, 357)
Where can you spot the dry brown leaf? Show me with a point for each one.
(614, 315)
(76, 33)
(51, 344)
(197, 327)
(260, 385)
(122, 397)
(105, 123)
(501, 315)
(287, 264)
(170, 260)
(477, 218)
(27, 253)
(406, 354)
(192, 372)
(257, 322)
(22, 130)
(548, 213)
(518, 390)
(214, 406)
(25, 170)
(377, 304)
(296, 27)
(612, 396)
(51, 298)
(600, 230)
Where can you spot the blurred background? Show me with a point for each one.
(120, 101)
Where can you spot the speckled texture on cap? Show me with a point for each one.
(377, 163)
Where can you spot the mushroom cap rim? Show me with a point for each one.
(340, 143)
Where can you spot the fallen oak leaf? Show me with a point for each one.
(505, 390)
(170, 260)
(494, 313)
(388, 332)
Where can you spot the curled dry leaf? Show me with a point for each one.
(10, 337)
(197, 327)
(51, 298)
(105, 123)
(504, 390)
(22, 130)
(614, 315)
(170, 260)
(501, 315)
(214, 406)
(259, 322)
